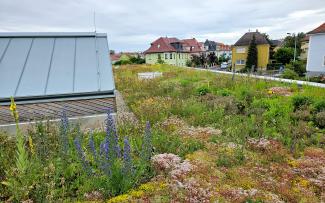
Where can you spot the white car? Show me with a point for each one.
(224, 65)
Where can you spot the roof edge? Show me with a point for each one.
(51, 34)
(61, 97)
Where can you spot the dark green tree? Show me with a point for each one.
(160, 61)
(284, 55)
(252, 55)
(289, 41)
(195, 60)
(203, 60)
(212, 59)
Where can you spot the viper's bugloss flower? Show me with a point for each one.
(92, 147)
(64, 130)
(81, 155)
(111, 136)
(147, 143)
(127, 161)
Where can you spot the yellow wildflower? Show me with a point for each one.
(31, 145)
(162, 185)
(136, 193)
(293, 163)
(148, 187)
(301, 182)
(120, 198)
(13, 105)
(13, 109)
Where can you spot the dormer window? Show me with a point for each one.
(158, 46)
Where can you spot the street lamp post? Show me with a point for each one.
(295, 52)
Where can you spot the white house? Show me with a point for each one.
(316, 52)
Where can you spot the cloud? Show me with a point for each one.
(132, 25)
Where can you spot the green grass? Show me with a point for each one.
(240, 108)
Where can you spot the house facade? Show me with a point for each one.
(224, 50)
(304, 48)
(240, 50)
(219, 49)
(172, 51)
(316, 51)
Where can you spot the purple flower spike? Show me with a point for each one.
(127, 161)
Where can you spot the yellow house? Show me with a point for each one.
(240, 50)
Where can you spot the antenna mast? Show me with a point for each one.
(95, 20)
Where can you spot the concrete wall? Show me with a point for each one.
(94, 122)
(316, 54)
(178, 59)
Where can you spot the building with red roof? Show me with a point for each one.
(192, 46)
(316, 51)
(171, 51)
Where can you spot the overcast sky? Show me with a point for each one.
(132, 24)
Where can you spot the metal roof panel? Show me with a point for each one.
(49, 64)
(12, 65)
(36, 68)
(60, 75)
(86, 79)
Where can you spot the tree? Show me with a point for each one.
(284, 55)
(160, 61)
(212, 59)
(223, 58)
(203, 60)
(252, 55)
(289, 41)
(137, 60)
(195, 60)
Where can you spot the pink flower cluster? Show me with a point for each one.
(164, 163)
(181, 170)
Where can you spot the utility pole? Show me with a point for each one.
(295, 52)
(294, 57)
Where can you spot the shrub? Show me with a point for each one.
(303, 115)
(298, 66)
(284, 55)
(300, 101)
(319, 79)
(203, 90)
(290, 74)
(320, 119)
(231, 159)
(224, 92)
(319, 106)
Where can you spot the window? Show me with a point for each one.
(240, 50)
(240, 62)
(171, 56)
(166, 56)
(158, 46)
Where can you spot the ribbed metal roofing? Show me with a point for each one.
(54, 64)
